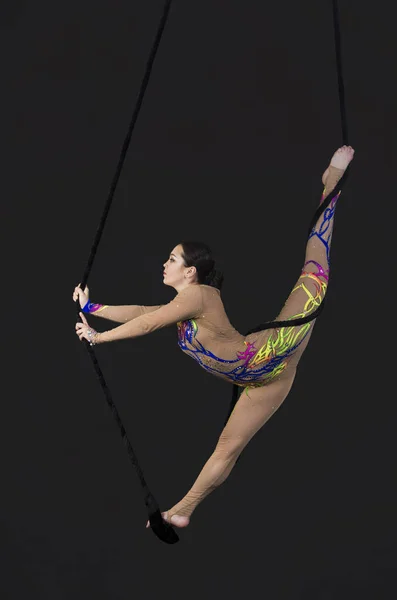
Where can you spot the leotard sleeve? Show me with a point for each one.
(187, 304)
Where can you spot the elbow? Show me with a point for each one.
(145, 328)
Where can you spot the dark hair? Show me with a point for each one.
(199, 255)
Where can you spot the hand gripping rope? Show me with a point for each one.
(163, 530)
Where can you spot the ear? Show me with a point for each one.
(191, 272)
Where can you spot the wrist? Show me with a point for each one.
(99, 338)
(92, 307)
(94, 337)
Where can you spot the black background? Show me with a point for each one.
(239, 121)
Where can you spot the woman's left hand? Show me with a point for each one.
(84, 331)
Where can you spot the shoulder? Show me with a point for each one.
(191, 291)
(190, 294)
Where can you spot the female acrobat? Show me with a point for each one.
(264, 364)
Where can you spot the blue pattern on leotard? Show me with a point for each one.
(241, 373)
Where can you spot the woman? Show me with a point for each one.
(262, 363)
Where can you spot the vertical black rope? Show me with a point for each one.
(163, 530)
(126, 143)
(341, 86)
(341, 89)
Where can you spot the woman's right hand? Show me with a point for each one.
(83, 297)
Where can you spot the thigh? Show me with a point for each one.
(277, 351)
(305, 297)
(254, 407)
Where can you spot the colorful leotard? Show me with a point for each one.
(206, 334)
(259, 358)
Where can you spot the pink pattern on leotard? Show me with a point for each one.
(248, 353)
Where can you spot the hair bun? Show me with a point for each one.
(214, 278)
(199, 255)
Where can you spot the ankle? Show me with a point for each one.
(333, 177)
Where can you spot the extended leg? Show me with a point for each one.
(311, 286)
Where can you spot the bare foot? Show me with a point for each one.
(340, 161)
(176, 520)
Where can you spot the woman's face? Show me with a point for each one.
(175, 273)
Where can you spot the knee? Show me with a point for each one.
(229, 448)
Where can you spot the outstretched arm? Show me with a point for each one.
(118, 314)
(186, 305)
(123, 313)
(251, 412)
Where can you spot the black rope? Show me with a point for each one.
(126, 143)
(319, 211)
(341, 86)
(162, 529)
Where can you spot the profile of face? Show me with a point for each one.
(175, 273)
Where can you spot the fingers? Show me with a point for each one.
(81, 333)
(84, 331)
(80, 330)
(84, 322)
(78, 291)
